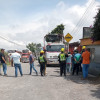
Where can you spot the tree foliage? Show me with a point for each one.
(34, 47)
(52, 37)
(96, 27)
(58, 30)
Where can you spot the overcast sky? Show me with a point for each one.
(26, 21)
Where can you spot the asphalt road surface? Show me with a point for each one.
(50, 87)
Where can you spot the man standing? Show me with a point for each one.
(42, 62)
(77, 59)
(31, 61)
(0, 67)
(83, 50)
(16, 60)
(3, 61)
(62, 60)
(85, 62)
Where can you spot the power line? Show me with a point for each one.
(83, 16)
(10, 41)
(85, 22)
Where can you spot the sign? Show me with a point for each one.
(68, 37)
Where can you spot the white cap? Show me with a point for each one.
(75, 48)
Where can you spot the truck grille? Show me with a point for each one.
(56, 57)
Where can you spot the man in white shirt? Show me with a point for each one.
(16, 60)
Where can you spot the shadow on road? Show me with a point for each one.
(90, 80)
(13, 76)
(96, 93)
(55, 75)
(78, 79)
(93, 80)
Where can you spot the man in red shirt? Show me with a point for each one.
(86, 62)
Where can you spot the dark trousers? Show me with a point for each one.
(42, 69)
(63, 68)
(80, 67)
(76, 68)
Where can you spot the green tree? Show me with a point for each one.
(31, 47)
(38, 48)
(96, 27)
(35, 48)
(58, 30)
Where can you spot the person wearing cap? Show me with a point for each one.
(85, 62)
(77, 59)
(16, 60)
(42, 62)
(73, 54)
(83, 50)
(31, 61)
(69, 62)
(3, 61)
(62, 61)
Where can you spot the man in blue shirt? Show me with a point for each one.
(31, 61)
(16, 60)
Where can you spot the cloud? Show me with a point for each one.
(35, 27)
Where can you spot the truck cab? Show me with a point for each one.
(52, 52)
(53, 44)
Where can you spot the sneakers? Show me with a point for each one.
(29, 73)
(5, 74)
(21, 75)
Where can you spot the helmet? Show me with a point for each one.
(75, 48)
(83, 47)
(62, 49)
(42, 51)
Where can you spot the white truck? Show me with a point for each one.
(53, 45)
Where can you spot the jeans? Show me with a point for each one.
(4, 68)
(68, 67)
(0, 68)
(18, 66)
(80, 67)
(32, 66)
(85, 70)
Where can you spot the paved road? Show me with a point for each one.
(51, 87)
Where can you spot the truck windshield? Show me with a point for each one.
(54, 48)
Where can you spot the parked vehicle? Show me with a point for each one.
(25, 56)
(52, 47)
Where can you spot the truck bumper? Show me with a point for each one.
(52, 62)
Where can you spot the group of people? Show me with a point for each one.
(15, 59)
(68, 62)
(74, 62)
